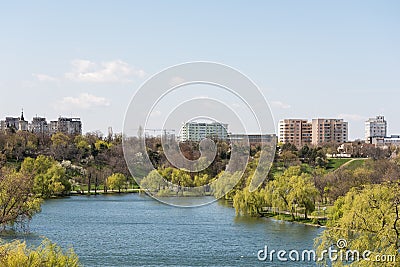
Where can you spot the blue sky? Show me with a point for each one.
(310, 58)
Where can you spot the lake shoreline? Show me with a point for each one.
(274, 217)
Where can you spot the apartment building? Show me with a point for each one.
(197, 131)
(295, 131)
(376, 133)
(66, 125)
(39, 126)
(375, 128)
(329, 131)
(300, 132)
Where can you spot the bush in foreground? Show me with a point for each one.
(17, 254)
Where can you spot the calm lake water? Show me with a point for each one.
(135, 230)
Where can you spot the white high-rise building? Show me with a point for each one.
(375, 127)
(197, 131)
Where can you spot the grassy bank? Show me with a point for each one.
(318, 222)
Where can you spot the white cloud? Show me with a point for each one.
(352, 117)
(83, 101)
(111, 71)
(44, 78)
(279, 104)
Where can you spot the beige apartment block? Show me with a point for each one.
(295, 131)
(300, 132)
(329, 131)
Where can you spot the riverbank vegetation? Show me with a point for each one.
(301, 185)
(368, 219)
(48, 254)
(21, 194)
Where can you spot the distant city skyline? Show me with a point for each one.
(382, 129)
(311, 59)
(40, 125)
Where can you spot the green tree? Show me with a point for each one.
(368, 218)
(292, 189)
(17, 201)
(226, 184)
(320, 183)
(49, 176)
(60, 139)
(102, 145)
(60, 144)
(200, 180)
(289, 147)
(48, 254)
(181, 178)
(83, 146)
(251, 203)
(153, 182)
(289, 158)
(303, 193)
(280, 188)
(116, 181)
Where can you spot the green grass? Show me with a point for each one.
(335, 164)
(356, 164)
(288, 218)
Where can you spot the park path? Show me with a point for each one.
(350, 161)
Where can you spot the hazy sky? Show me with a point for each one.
(310, 58)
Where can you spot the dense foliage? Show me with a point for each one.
(368, 219)
(117, 181)
(287, 192)
(17, 254)
(17, 200)
(300, 187)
